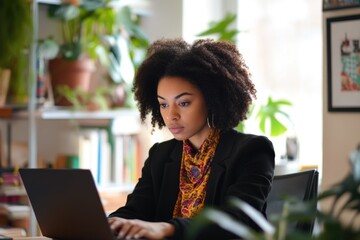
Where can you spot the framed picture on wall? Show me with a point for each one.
(343, 63)
(329, 5)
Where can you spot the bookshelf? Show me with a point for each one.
(122, 123)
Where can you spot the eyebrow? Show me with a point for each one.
(178, 96)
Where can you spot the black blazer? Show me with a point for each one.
(242, 167)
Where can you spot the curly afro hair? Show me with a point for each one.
(215, 67)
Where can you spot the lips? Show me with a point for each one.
(175, 129)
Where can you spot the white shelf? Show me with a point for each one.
(71, 114)
(66, 113)
(55, 2)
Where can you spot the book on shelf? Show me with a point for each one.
(12, 199)
(104, 159)
(12, 194)
(127, 161)
(15, 211)
(115, 162)
(13, 232)
(95, 154)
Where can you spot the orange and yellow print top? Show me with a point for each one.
(194, 175)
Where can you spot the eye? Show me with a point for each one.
(163, 105)
(184, 104)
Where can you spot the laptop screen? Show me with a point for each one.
(66, 203)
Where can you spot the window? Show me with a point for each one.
(282, 45)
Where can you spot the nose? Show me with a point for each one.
(172, 114)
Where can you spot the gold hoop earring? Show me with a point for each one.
(212, 121)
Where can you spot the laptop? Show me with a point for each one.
(66, 204)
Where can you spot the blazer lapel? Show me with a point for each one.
(223, 151)
(170, 184)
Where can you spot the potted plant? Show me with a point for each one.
(15, 37)
(127, 49)
(81, 24)
(87, 29)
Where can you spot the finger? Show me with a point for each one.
(115, 219)
(111, 220)
(125, 228)
(133, 231)
(115, 224)
(142, 233)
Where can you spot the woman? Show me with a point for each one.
(200, 92)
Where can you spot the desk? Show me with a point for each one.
(286, 167)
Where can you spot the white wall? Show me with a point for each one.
(164, 19)
(196, 21)
(54, 137)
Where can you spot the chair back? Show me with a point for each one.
(300, 185)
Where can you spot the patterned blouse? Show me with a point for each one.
(194, 175)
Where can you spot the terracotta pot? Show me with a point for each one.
(75, 74)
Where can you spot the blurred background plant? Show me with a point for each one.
(223, 29)
(127, 47)
(108, 31)
(96, 100)
(267, 116)
(82, 22)
(15, 39)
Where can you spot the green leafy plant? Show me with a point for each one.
(271, 117)
(15, 38)
(15, 27)
(81, 100)
(93, 27)
(222, 29)
(82, 24)
(332, 226)
(47, 48)
(103, 30)
(127, 46)
(269, 113)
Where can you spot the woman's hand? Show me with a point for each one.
(133, 228)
